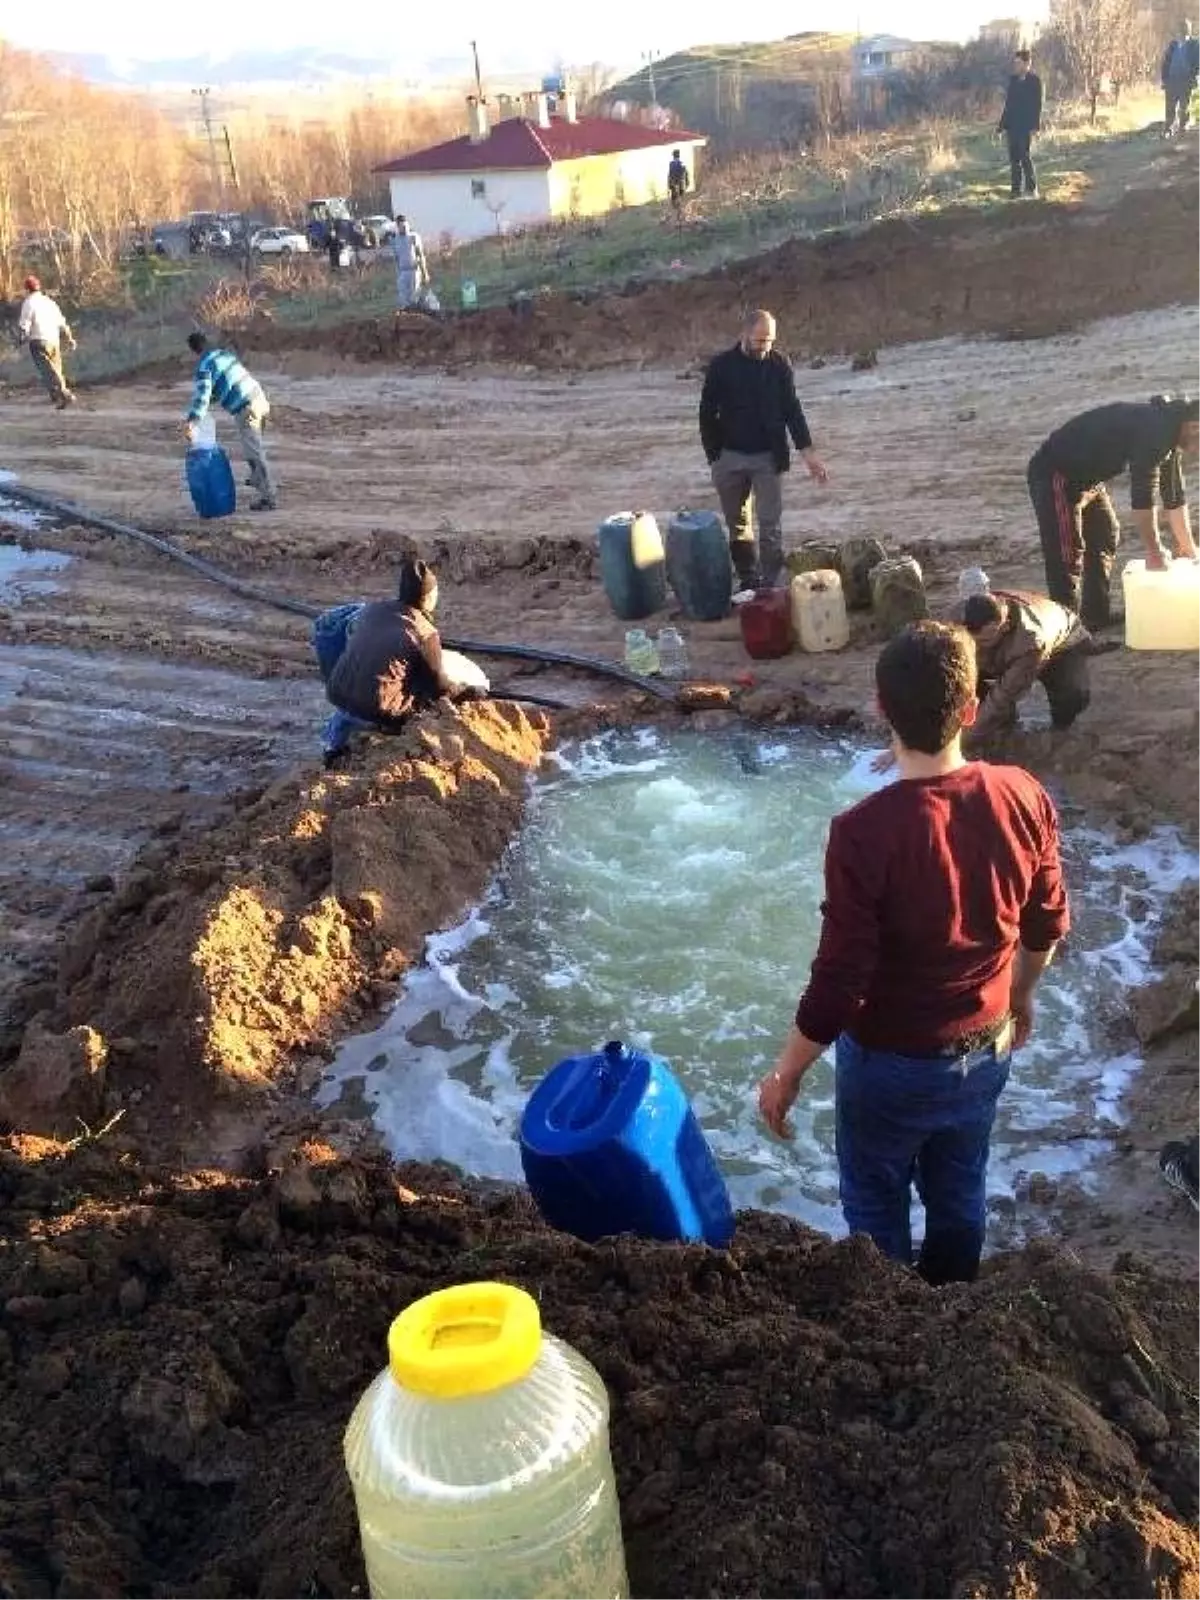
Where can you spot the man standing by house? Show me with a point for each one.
(944, 902)
(1079, 528)
(1020, 120)
(412, 270)
(42, 323)
(221, 378)
(748, 407)
(1180, 72)
(677, 180)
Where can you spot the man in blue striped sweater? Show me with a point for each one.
(221, 379)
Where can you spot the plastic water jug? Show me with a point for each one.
(857, 559)
(898, 594)
(698, 566)
(210, 481)
(672, 653)
(766, 622)
(819, 611)
(1162, 609)
(610, 1144)
(973, 580)
(480, 1460)
(633, 565)
(641, 653)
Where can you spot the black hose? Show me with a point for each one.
(301, 608)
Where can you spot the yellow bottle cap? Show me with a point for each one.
(467, 1340)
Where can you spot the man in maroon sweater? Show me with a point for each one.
(944, 901)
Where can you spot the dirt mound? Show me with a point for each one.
(179, 1356)
(214, 960)
(1021, 273)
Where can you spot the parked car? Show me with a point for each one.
(279, 242)
(382, 227)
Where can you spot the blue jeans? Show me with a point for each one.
(901, 1120)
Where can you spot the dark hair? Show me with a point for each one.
(196, 343)
(925, 679)
(416, 584)
(981, 610)
(1023, 55)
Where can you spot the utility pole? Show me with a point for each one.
(649, 57)
(478, 74)
(214, 158)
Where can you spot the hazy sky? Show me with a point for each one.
(616, 32)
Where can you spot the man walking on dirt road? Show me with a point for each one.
(1020, 120)
(42, 323)
(1180, 72)
(944, 902)
(1079, 528)
(221, 378)
(748, 407)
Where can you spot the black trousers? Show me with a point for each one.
(1178, 98)
(1079, 532)
(1067, 682)
(1021, 161)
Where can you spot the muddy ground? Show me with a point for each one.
(193, 911)
(180, 1355)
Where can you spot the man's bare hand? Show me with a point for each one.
(817, 470)
(1022, 1015)
(776, 1097)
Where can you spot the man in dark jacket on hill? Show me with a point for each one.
(1078, 525)
(1020, 120)
(1180, 71)
(748, 407)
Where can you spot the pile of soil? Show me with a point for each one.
(1024, 273)
(221, 955)
(179, 1356)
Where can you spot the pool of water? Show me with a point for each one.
(23, 571)
(666, 891)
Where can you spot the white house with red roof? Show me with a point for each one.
(533, 168)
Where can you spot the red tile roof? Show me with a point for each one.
(516, 142)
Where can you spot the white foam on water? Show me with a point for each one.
(666, 891)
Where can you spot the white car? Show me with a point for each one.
(382, 227)
(279, 242)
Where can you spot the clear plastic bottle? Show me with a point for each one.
(672, 653)
(641, 654)
(973, 580)
(480, 1461)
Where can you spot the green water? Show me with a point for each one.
(666, 891)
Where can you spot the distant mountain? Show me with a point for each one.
(277, 69)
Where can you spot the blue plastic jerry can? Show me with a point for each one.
(210, 481)
(610, 1144)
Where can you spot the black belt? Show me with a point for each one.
(965, 1045)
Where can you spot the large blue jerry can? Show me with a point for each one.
(610, 1144)
(210, 480)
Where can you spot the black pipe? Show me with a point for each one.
(301, 608)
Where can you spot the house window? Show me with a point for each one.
(478, 188)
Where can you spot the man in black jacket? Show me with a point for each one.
(1020, 120)
(1180, 70)
(748, 407)
(1078, 525)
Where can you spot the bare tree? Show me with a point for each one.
(1100, 39)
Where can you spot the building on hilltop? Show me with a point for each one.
(882, 55)
(535, 165)
(1018, 33)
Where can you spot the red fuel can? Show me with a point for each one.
(767, 624)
